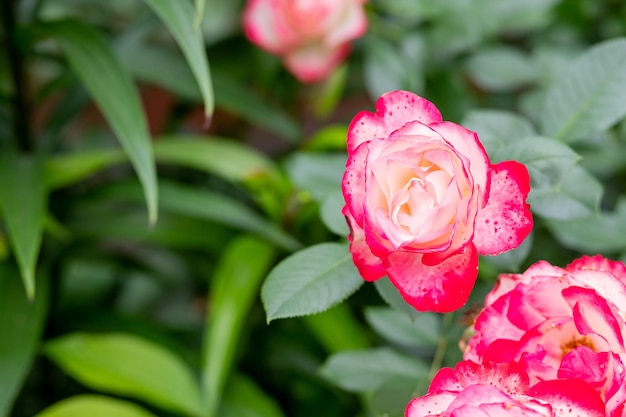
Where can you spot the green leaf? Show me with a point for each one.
(366, 370)
(310, 281)
(234, 287)
(230, 160)
(114, 92)
(578, 195)
(200, 5)
(329, 138)
(400, 329)
(332, 216)
(23, 200)
(318, 173)
(391, 295)
(337, 329)
(178, 17)
(497, 128)
(547, 160)
(94, 406)
(501, 69)
(244, 398)
(128, 365)
(67, 169)
(220, 208)
(590, 97)
(20, 331)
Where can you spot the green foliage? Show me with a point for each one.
(172, 314)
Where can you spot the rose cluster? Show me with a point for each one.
(423, 200)
(311, 36)
(557, 333)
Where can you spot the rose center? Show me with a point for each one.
(575, 342)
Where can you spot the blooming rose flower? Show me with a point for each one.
(311, 36)
(560, 323)
(502, 389)
(422, 200)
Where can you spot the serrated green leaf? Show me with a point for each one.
(578, 195)
(116, 95)
(399, 328)
(310, 281)
(94, 406)
(234, 287)
(318, 173)
(20, 331)
(366, 370)
(178, 17)
(497, 128)
(547, 160)
(128, 365)
(23, 203)
(591, 96)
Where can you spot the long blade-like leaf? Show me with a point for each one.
(179, 18)
(20, 330)
(23, 202)
(114, 92)
(235, 285)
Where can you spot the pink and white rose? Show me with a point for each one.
(503, 389)
(560, 323)
(311, 36)
(423, 199)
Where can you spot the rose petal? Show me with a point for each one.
(442, 287)
(353, 182)
(369, 266)
(569, 397)
(353, 24)
(260, 26)
(393, 110)
(314, 62)
(506, 220)
(429, 405)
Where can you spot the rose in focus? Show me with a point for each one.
(423, 199)
(503, 389)
(560, 323)
(311, 36)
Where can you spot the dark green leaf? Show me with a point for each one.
(66, 169)
(244, 398)
(390, 294)
(234, 287)
(20, 331)
(501, 69)
(310, 281)
(178, 17)
(337, 329)
(114, 92)
(23, 200)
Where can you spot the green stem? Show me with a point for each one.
(442, 345)
(21, 108)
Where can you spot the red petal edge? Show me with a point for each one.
(506, 220)
(442, 287)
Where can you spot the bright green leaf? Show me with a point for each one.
(94, 406)
(366, 370)
(229, 159)
(114, 92)
(178, 17)
(128, 365)
(234, 287)
(23, 202)
(329, 138)
(20, 331)
(67, 169)
(310, 281)
(591, 96)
